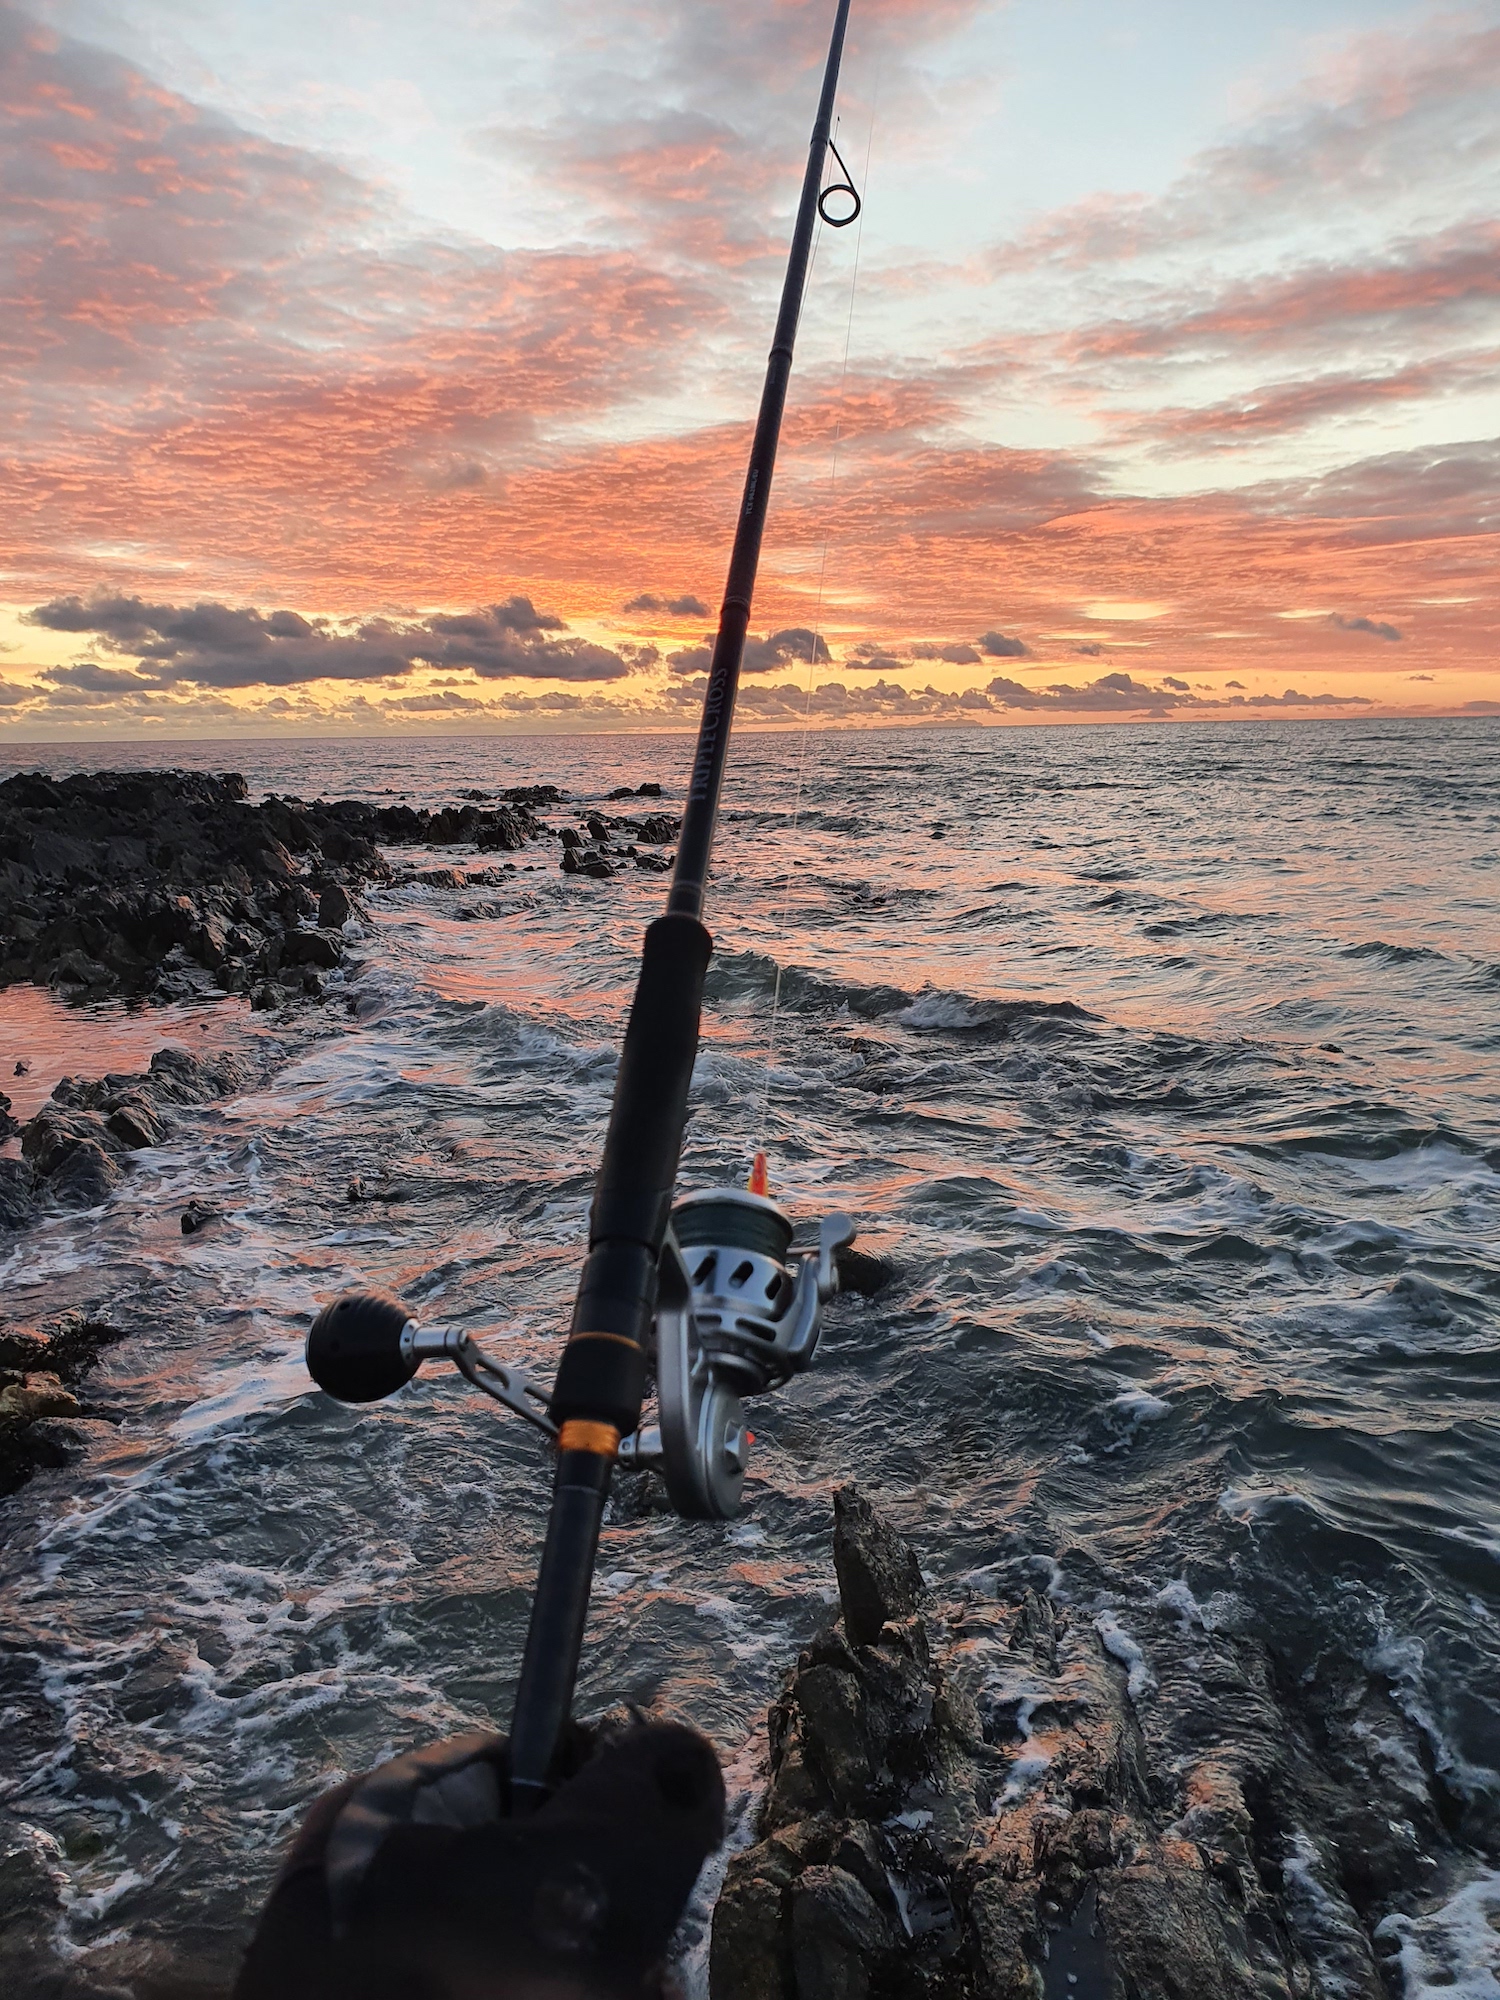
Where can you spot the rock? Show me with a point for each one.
(880, 1582)
(1034, 1812)
(570, 837)
(17, 1193)
(648, 791)
(55, 1133)
(23, 1348)
(196, 1215)
(838, 1935)
(597, 866)
(860, 1272)
(136, 1123)
(22, 1069)
(72, 1147)
(8, 1125)
(312, 948)
(442, 878)
(750, 1949)
(37, 1395)
(334, 908)
(32, 1876)
(86, 1177)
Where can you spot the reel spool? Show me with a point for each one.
(736, 1315)
(733, 1319)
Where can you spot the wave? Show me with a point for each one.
(1396, 954)
(735, 976)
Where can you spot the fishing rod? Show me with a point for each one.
(705, 1292)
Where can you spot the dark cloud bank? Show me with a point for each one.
(217, 646)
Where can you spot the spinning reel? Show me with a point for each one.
(736, 1315)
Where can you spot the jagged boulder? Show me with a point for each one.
(75, 1147)
(1001, 1797)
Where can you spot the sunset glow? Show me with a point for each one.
(372, 373)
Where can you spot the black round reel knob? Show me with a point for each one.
(354, 1348)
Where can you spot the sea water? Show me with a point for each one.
(1198, 1264)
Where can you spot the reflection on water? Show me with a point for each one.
(1199, 1274)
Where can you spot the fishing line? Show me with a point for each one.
(817, 633)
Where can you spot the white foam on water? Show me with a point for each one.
(744, 1788)
(1139, 1406)
(1452, 1953)
(1178, 1598)
(1118, 1643)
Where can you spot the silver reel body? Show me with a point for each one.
(735, 1316)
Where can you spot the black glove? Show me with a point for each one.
(413, 1883)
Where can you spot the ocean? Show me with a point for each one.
(1197, 1293)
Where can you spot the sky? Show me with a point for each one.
(391, 369)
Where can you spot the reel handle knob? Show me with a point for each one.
(355, 1350)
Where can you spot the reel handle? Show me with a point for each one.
(355, 1349)
(366, 1346)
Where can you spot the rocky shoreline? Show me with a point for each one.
(171, 885)
(1007, 1798)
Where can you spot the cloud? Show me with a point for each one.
(675, 607)
(1370, 625)
(796, 644)
(1394, 112)
(1090, 651)
(1235, 684)
(957, 655)
(999, 647)
(218, 645)
(1481, 708)
(1180, 686)
(1119, 694)
(1419, 677)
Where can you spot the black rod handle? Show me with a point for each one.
(559, 1610)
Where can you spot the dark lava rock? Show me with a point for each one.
(8, 1125)
(170, 883)
(157, 882)
(196, 1215)
(863, 1273)
(43, 1421)
(880, 1581)
(989, 1804)
(73, 1148)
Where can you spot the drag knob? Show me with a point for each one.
(354, 1350)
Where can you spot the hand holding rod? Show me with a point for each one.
(597, 1397)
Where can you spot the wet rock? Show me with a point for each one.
(32, 1880)
(196, 1216)
(8, 1125)
(43, 1420)
(37, 1395)
(1054, 1817)
(334, 908)
(442, 878)
(321, 949)
(73, 1148)
(880, 1581)
(136, 1123)
(862, 1273)
(157, 882)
